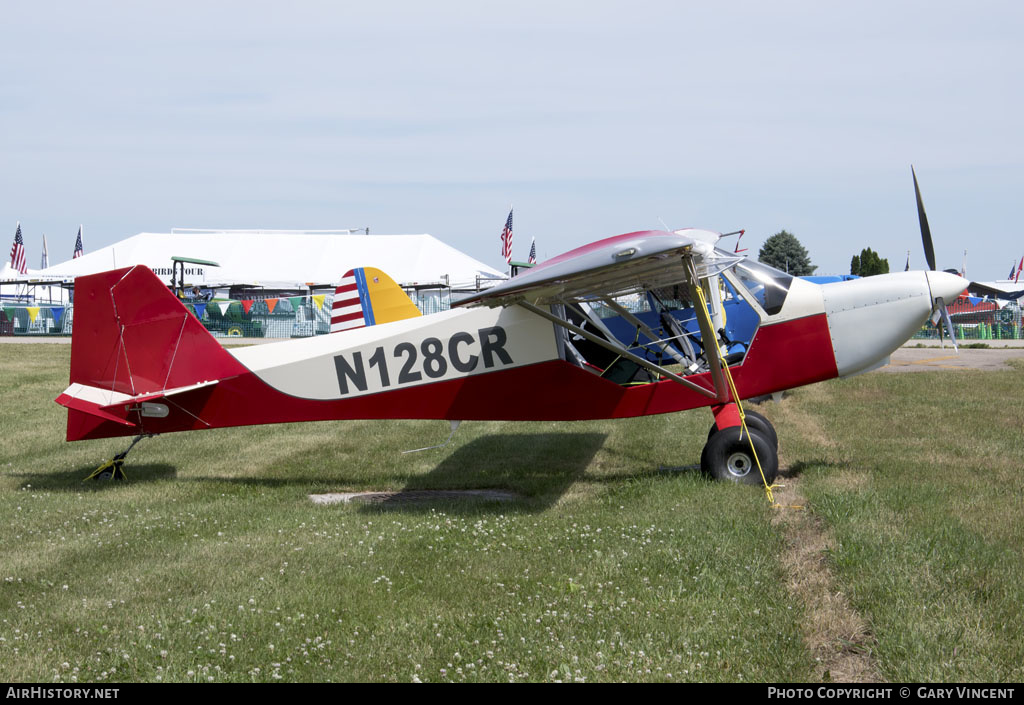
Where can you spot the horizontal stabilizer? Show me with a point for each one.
(94, 402)
(114, 406)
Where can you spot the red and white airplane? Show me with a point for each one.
(533, 348)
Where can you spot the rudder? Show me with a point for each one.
(132, 337)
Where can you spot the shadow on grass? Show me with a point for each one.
(539, 467)
(801, 466)
(75, 480)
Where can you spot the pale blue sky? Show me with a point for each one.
(591, 118)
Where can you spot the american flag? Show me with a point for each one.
(79, 250)
(532, 259)
(18, 260)
(506, 239)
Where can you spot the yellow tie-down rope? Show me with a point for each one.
(735, 395)
(743, 422)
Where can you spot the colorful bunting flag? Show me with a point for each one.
(224, 306)
(200, 310)
(296, 302)
(57, 312)
(247, 304)
(271, 304)
(318, 299)
(33, 312)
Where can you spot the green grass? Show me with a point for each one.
(211, 564)
(962, 344)
(923, 495)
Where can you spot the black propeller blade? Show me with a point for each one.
(926, 233)
(940, 314)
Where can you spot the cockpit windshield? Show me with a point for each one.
(767, 284)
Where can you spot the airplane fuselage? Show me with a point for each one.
(142, 363)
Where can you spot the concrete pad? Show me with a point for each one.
(921, 359)
(414, 496)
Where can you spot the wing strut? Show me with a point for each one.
(597, 340)
(707, 334)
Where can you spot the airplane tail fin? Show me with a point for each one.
(134, 343)
(367, 296)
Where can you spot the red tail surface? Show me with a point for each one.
(134, 342)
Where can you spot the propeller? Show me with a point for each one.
(939, 312)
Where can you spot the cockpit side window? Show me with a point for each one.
(767, 284)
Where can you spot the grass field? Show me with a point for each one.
(210, 563)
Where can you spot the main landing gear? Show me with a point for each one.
(734, 454)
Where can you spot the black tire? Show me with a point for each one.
(758, 423)
(727, 456)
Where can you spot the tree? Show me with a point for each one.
(868, 263)
(783, 251)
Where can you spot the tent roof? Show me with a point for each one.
(284, 258)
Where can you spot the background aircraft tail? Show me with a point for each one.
(367, 296)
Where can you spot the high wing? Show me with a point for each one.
(618, 266)
(615, 266)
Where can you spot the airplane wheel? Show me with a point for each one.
(758, 423)
(727, 456)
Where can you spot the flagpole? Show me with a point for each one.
(46, 263)
(509, 262)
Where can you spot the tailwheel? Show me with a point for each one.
(727, 456)
(113, 469)
(757, 423)
(110, 470)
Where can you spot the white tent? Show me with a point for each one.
(283, 259)
(1005, 285)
